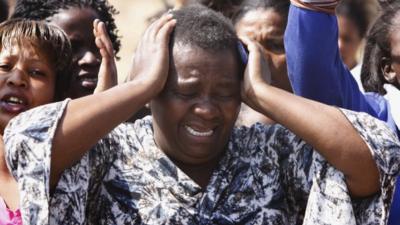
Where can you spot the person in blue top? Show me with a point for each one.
(316, 70)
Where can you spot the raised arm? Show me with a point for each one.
(108, 76)
(315, 68)
(322, 126)
(90, 118)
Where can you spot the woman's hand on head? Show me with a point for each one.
(108, 76)
(83, 124)
(257, 74)
(151, 60)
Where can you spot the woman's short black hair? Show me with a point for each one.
(44, 9)
(378, 48)
(207, 29)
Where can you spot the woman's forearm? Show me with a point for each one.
(86, 120)
(328, 131)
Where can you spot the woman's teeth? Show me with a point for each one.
(15, 100)
(198, 133)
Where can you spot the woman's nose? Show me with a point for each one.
(89, 58)
(206, 109)
(17, 78)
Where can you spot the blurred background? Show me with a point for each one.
(131, 22)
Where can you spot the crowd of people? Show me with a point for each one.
(234, 112)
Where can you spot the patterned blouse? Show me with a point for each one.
(266, 176)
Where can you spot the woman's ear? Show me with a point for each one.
(387, 70)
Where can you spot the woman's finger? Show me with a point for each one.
(165, 31)
(159, 24)
(105, 39)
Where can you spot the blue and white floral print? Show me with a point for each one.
(266, 176)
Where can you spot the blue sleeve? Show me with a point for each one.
(315, 68)
(316, 71)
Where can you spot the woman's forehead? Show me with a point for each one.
(186, 53)
(196, 65)
(185, 57)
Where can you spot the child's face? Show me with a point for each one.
(78, 25)
(27, 80)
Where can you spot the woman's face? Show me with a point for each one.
(195, 113)
(349, 41)
(27, 80)
(78, 25)
(393, 75)
(267, 27)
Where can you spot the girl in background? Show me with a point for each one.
(34, 67)
(76, 18)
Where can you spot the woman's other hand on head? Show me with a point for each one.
(256, 75)
(108, 76)
(151, 60)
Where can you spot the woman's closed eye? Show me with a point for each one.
(184, 94)
(225, 95)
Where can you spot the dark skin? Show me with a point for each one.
(27, 80)
(203, 103)
(267, 27)
(349, 41)
(345, 150)
(78, 25)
